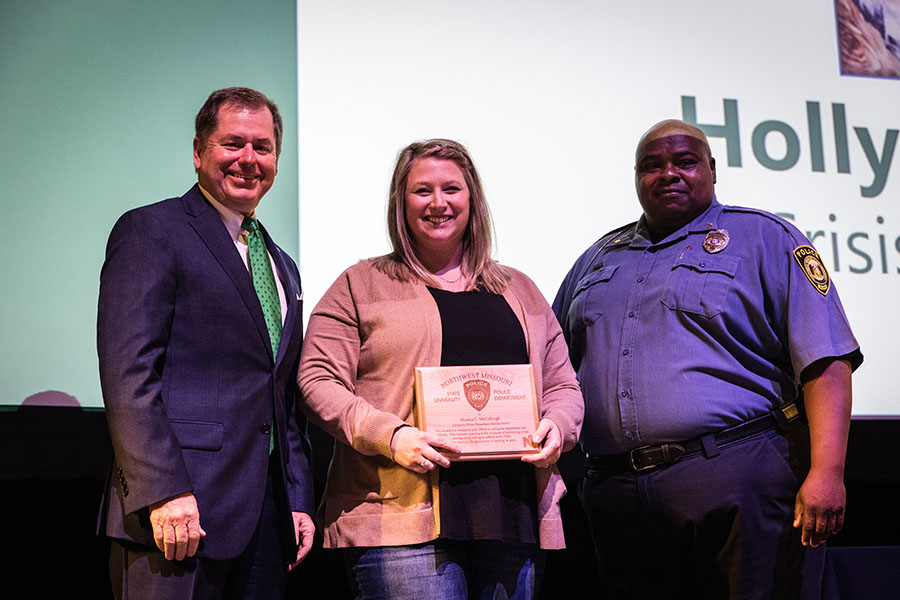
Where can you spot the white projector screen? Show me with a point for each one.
(551, 98)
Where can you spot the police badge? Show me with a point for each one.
(716, 240)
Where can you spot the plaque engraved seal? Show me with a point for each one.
(478, 392)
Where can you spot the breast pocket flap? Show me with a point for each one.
(726, 265)
(595, 277)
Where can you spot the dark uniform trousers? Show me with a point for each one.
(718, 527)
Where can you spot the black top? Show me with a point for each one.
(484, 499)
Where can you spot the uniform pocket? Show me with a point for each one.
(699, 284)
(582, 311)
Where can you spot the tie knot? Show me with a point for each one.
(250, 224)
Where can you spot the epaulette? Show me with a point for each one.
(598, 246)
(780, 221)
(609, 235)
(754, 211)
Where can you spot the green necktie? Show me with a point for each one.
(263, 280)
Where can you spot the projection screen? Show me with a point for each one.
(551, 98)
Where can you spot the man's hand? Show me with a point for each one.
(548, 435)
(176, 526)
(304, 528)
(819, 508)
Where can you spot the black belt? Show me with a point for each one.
(650, 457)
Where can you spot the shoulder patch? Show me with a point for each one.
(813, 267)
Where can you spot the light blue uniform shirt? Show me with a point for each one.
(671, 340)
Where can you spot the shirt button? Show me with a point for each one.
(631, 314)
(629, 435)
(702, 263)
(265, 429)
(624, 393)
(640, 280)
(625, 352)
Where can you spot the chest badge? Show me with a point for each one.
(716, 240)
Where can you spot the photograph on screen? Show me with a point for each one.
(868, 33)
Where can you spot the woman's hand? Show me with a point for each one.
(417, 450)
(550, 439)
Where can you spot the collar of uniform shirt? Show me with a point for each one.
(702, 223)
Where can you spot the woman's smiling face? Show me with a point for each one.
(437, 208)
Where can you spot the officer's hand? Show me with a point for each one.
(819, 508)
(176, 526)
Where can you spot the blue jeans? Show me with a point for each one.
(446, 570)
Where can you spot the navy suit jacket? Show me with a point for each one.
(190, 385)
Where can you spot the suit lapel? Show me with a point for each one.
(204, 219)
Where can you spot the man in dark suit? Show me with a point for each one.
(210, 492)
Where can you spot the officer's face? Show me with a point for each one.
(675, 178)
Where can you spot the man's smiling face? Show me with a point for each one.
(675, 176)
(238, 163)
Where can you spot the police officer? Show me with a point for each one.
(700, 333)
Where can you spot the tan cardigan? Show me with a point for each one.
(364, 339)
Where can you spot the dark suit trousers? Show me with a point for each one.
(259, 572)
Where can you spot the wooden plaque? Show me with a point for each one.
(490, 411)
